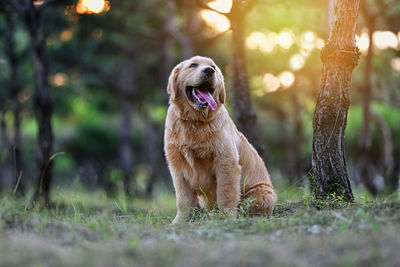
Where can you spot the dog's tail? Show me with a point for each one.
(262, 197)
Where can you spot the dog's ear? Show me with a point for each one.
(172, 88)
(222, 94)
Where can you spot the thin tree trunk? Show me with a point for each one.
(187, 42)
(298, 134)
(14, 91)
(365, 141)
(153, 150)
(395, 175)
(42, 105)
(285, 143)
(339, 57)
(6, 167)
(126, 153)
(243, 112)
(387, 140)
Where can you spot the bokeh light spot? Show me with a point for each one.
(259, 40)
(223, 6)
(92, 6)
(362, 42)
(216, 21)
(286, 79)
(66, 35)
(286, 38)
(271, 82)
(396, 64)
(59, 79)
(319, 43)
(385, 39)
(296, 62)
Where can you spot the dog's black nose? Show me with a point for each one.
(208, 71)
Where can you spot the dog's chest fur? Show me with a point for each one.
(197, 144)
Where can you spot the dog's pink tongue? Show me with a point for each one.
(206, 96)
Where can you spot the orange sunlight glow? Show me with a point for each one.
(38, 3)
(92, 6)
(216, 21)
(223, 6)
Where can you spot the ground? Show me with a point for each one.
(87, 229)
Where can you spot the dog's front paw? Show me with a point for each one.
(179, 219)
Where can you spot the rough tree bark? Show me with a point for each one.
(339, 57)
(14, 89)
(42, 105)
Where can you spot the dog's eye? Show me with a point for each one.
(193, 65)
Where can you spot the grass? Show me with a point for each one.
(87, 229)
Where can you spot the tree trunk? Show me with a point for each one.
(42, 105)
(14, 91)
(125, 150)
(365, 141)
(298, 135)
(285, 143)
(395, 175)
(387, 140)
(153, 150)
(243, 112)
(5, 161)
(339, 57)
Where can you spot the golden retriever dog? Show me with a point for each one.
(211, 162)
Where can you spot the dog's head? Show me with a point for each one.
(197, 85)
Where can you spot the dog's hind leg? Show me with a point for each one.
(262, 198)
